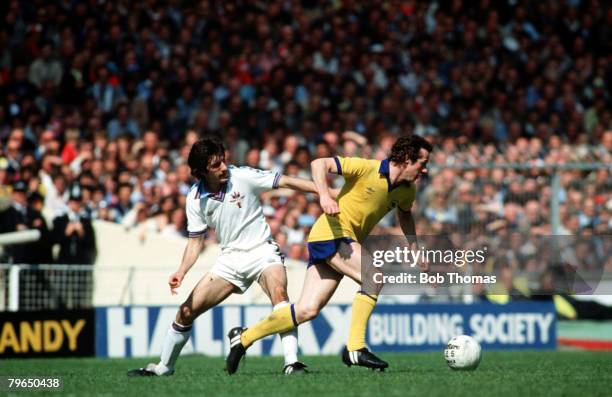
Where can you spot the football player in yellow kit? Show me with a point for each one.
(372, 188)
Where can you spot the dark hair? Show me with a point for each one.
(408, 148)
(201, 153)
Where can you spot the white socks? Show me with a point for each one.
(289, 340)
(175, 339)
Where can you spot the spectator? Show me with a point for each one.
(124, 202)
(122, 124)
(23, 215)
(105, 92)
(45, 68)
(74, 233)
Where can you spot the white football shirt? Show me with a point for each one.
(235, 212)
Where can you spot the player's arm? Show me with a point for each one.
(302, 185)
(320, 168)
(407, 224)
(194, 247)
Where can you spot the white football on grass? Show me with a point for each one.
(462, 352)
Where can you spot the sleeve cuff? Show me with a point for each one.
(276, 181)
(338, 166)
(196, 234)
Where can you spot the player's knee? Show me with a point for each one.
(185, 315)
(279, 294)
(307, 312)
(373, 289)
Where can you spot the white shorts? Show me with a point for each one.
(241, 268)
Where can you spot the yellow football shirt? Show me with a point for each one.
(367, 195)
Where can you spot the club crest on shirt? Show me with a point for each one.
(237, 198)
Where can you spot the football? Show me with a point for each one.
(462, 352)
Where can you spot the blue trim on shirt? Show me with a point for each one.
(384, 169)
(198, 191)
(276, 181)
(338, 166)
(220, 195)
(196, 234)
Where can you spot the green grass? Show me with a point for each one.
(420, 374)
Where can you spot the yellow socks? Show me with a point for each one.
(279, 321)
(283, 320)
(363, 305)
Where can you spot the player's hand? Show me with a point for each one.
(78, 227)
(175, 281)
(329, 205)
(422, 264)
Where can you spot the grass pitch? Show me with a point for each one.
(415, 374)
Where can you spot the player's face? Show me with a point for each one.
(217, 171)
(413, 170)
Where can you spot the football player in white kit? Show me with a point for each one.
(227, 199)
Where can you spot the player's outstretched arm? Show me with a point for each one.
(195, 245)
(320, 168)
(302, 185)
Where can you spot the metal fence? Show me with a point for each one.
(45, 287)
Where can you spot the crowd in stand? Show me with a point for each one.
(100, 103)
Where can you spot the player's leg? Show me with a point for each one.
(273, 281)
(347, 261)
(209, 292)
(320, 283)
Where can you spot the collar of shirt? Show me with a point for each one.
(384, 169)
(202, 192)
